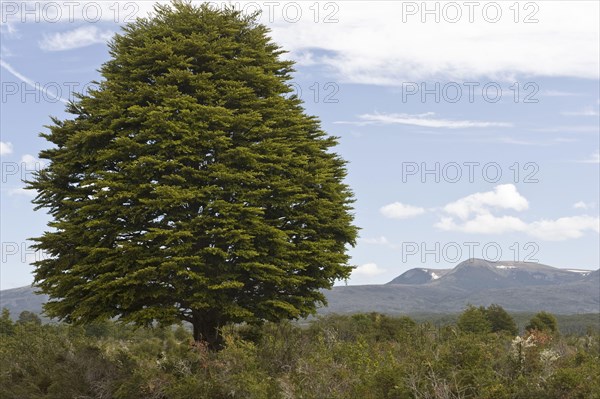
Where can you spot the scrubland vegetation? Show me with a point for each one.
(360, 356)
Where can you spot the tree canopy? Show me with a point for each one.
(190, 185)
(474, 320)
(26, 317)
(500, 320)
(543, 321)
(491, 319)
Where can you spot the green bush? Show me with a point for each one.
(367, 356)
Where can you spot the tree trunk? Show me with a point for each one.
(208, 331)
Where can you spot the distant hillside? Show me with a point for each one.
(517, 286)
(19, 299)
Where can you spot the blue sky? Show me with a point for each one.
(467, 131)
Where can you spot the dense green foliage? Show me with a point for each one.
(6, 325)
(364, 356)
(576, 324)
(500, 320)
(543, 321)
(474, 320)
(28, 317)
(491, 319)
(190, 185)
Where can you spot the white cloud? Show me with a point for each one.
(76, 38)
(548, 230)
(376, 240)
(30, 82)
(564, 43)
(20, 191)
(368, 269)
(473, 214)
(32, 163)
(484, 224)
(584, 205)
(398, 210)
(422, 120)
(564, 228)
(5, 148)
(507, 197)
(504, 196)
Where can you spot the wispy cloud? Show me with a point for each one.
(8, 26)
(422, 120)
(595, 158)
(20, 191)
(29, 164)
(5, 52)
(567, 129)
(30, 82)
(483, 224)
(76, 38)
(565, 140)
(25, 12)
(584, 205)
(511, 140)
(559, 93)
(543, 142)
(382, 240)
(587, 111)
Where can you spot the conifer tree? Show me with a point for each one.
(190, 185)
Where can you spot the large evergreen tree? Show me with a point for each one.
(190, 185)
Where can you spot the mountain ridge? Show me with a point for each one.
(507, 273)
(517, 286)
